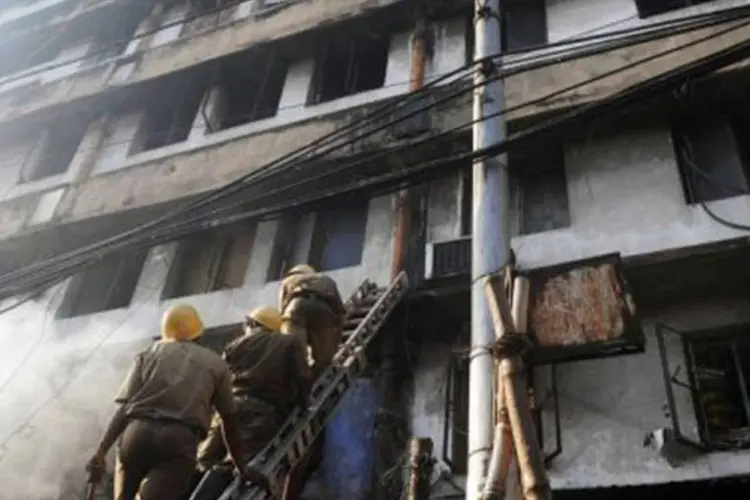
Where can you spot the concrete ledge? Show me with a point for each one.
(185, 53)
(193, 172)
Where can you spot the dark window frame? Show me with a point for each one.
(62, 140)
(217, 245)
(164, 126)
(357, 212)
(125, 274)
(266, 94)
(700, 183)
(522, 171)
(509, 8)
(730, 341)
(357, 57)
(283, 246)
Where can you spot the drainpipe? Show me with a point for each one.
(490, 242)
(387, 441)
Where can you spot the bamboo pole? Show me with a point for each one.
(516, 397)
(421, 469)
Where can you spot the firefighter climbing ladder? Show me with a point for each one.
(367, 310)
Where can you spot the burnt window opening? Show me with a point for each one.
(112, 40)
(109, 285)
(284, 245)
(542, 192)
(169, 118)
(720, 372)
(524, 24)
(54, 149)
(339, 236)
(712, 166)
(208, 262)
(348, 65)
(648, 8)
(203, 15)
(250, 89)
(456, 418)
(538, 188)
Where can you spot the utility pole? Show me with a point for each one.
(490, 246)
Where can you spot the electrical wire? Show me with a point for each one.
(466, 157)
(448, 133)
(536, 61)
(691, 23)
(685, 147)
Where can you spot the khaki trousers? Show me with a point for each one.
(155, 461)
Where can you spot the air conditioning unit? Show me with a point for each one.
(448, 259)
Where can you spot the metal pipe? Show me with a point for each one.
(490, 247)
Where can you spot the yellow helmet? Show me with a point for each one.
(270, 317)
(181, 322)
(301, 269)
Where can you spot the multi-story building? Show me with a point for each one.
(114, 112)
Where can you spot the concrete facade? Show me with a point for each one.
(623, 192)
(60, 374)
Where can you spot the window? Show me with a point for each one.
(339, 237)
(111, 40)
(250, 90)
(54, 149)
(347, 65)
(720, 372)
(539, 192)
(712, 168)
(109, 285)
(211, 261)
(204, 15)
(284, 246)
(169, 117)
(456, 420)
(524, 24)
(648, 8)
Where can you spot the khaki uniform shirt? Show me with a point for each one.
(319, 284)
(179, 381)
(268, 366)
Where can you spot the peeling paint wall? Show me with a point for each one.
(119, 180)
(624, 195)
(57, 377)
(608, 407)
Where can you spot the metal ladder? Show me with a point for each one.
(367, 310)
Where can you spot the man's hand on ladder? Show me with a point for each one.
(256, 477)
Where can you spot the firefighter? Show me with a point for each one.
(270, 376)
(313, 312)
(165, 410)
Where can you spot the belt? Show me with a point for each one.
(244, 393)
(197, 430)
(309, 295)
